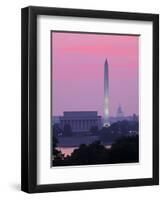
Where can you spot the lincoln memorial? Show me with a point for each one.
(80, 121)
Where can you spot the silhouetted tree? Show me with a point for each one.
(67, 131)
(57, 155)
(88, 154)
(94, 129)
(57, 130)
(124, 150)
(106, 135)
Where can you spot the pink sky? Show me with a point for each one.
(78, 72)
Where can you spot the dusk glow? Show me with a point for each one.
(78, 71)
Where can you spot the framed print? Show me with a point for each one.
(90, 99)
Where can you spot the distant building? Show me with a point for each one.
(80, 121)
(133, 117)
(120, 114)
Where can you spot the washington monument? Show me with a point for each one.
(106, 95)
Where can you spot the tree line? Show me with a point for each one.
(124, 150)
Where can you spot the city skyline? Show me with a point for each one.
(111, 116)
(77, 72)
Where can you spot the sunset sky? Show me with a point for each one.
(78, 72)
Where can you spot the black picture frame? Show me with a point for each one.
(29, 99)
